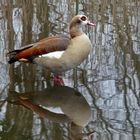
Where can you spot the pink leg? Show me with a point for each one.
(58, 81)
(90, 135)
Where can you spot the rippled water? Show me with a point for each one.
(108, 79)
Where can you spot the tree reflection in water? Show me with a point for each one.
(108, 79)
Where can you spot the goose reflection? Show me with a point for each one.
(74, 108)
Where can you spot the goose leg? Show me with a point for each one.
(58, 81)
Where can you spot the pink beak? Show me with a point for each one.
(90, 23)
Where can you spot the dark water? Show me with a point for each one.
(108, 79)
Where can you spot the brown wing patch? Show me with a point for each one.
(44, 46)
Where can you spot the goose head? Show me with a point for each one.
(77, 23)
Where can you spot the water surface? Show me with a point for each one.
(108, 79)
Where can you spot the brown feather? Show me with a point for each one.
(44, 46)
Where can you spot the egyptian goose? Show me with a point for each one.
(58, 53)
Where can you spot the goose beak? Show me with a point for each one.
(90, 23)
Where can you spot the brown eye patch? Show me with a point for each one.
(83, 18)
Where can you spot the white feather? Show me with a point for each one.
(56, 54)
(84, 22)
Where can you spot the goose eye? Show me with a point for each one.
(83, 18)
